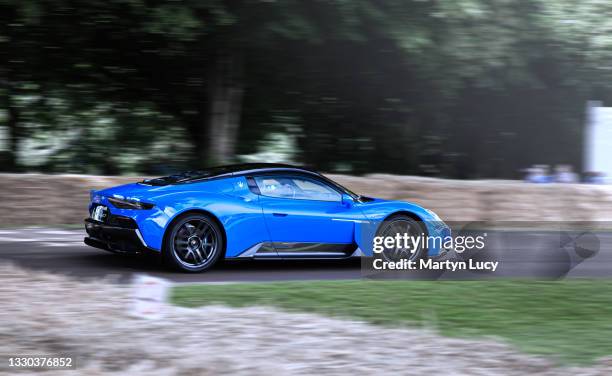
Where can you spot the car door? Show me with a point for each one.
(306, 217)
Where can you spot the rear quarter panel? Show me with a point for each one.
(229, 200)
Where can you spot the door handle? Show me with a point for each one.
(279, 214)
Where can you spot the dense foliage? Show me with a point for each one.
(465, 88)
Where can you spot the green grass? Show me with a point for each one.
(570, 321)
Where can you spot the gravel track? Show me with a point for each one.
(49, 314)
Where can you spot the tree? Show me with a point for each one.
(427, 87)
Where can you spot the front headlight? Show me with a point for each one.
(128, 204)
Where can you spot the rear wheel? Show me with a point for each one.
(194, 243)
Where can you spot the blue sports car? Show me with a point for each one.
(258, 211)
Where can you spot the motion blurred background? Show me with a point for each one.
(457, 89)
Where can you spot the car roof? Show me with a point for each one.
(221, 172)
(247, 168)
(226, 171)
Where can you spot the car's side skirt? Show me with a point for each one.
(300, 250)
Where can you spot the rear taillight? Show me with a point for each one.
(129, 204)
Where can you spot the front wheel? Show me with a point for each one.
(194, 243)
(398, 226)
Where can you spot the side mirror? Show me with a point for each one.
(347, 200)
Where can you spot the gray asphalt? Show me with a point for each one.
(534, 253)
(63, 252)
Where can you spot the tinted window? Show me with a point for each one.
(296, 187)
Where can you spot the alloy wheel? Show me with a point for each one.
(402, 226)
(195, 243)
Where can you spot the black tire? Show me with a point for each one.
(194, 243)
(414, 227)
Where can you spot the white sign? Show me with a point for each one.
(149, 297)
(598, 139)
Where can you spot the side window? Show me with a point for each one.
(298, 188)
